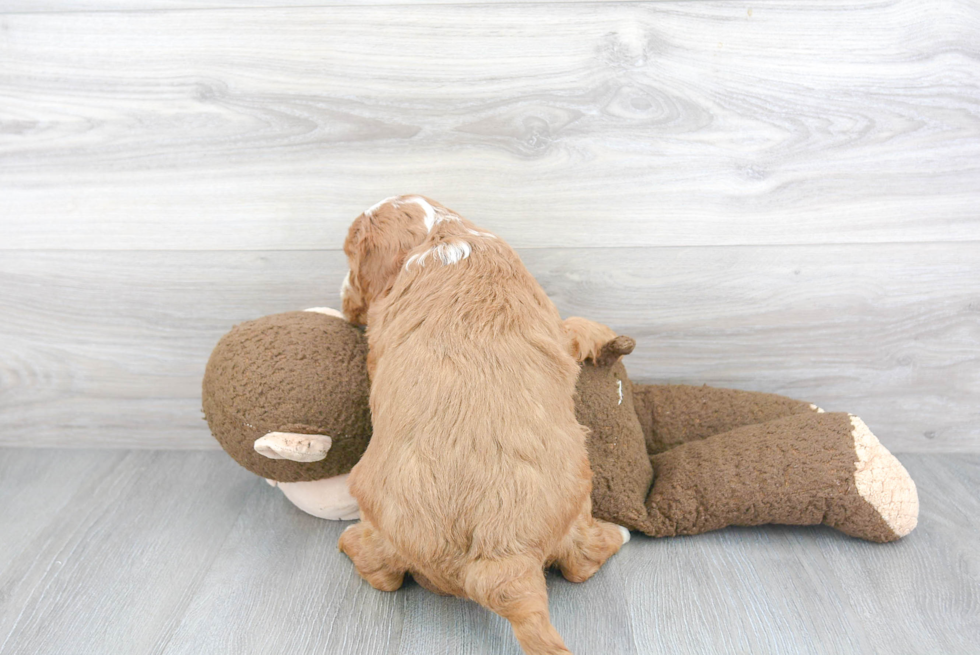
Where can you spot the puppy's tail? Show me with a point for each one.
(515, 589)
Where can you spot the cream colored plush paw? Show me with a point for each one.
(883, 482)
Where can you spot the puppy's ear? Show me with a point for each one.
(377, 245)
(353, 302)
(613, 350)
(372, 265)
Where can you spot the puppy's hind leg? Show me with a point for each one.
(373, 557)
(588, 545)
(515, 589)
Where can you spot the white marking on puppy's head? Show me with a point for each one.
(345, 286)
(433, 215)
(451, 252)
(430, 211)
(373, 208)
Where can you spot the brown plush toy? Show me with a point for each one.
(287, 397)
(678, 459)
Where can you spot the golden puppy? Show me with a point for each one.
(476, 477)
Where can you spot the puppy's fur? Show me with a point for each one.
(476, 476)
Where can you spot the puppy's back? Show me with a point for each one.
(476, 450)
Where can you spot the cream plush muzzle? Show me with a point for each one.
(328, 498)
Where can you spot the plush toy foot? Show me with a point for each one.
(804, 469)
(884, 484)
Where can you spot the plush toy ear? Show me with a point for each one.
(293, 446)
(329, 311)
(612, 350)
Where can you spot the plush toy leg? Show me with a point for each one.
(803, 469)
(673, 414)
(373, 558)
(588, 545)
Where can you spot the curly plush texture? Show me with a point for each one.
(299, 372)
(621, 471)
(673, 414)
(802, 469)
(666, 459)
(722, 457)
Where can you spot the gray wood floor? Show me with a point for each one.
(115, 551)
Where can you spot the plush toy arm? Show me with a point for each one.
(804, 469)
(673, 414)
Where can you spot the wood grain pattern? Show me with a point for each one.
(74, 6)
(167, 553)
(669, 123)
(109, 348)
(870, 600)
(113, 558)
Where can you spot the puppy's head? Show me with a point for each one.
(377, 244)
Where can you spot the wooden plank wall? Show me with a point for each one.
(768, 195)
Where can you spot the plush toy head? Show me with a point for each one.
(271, 381)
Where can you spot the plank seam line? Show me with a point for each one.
(821, 244)
(341, 5)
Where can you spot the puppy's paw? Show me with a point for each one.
(586, 338)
